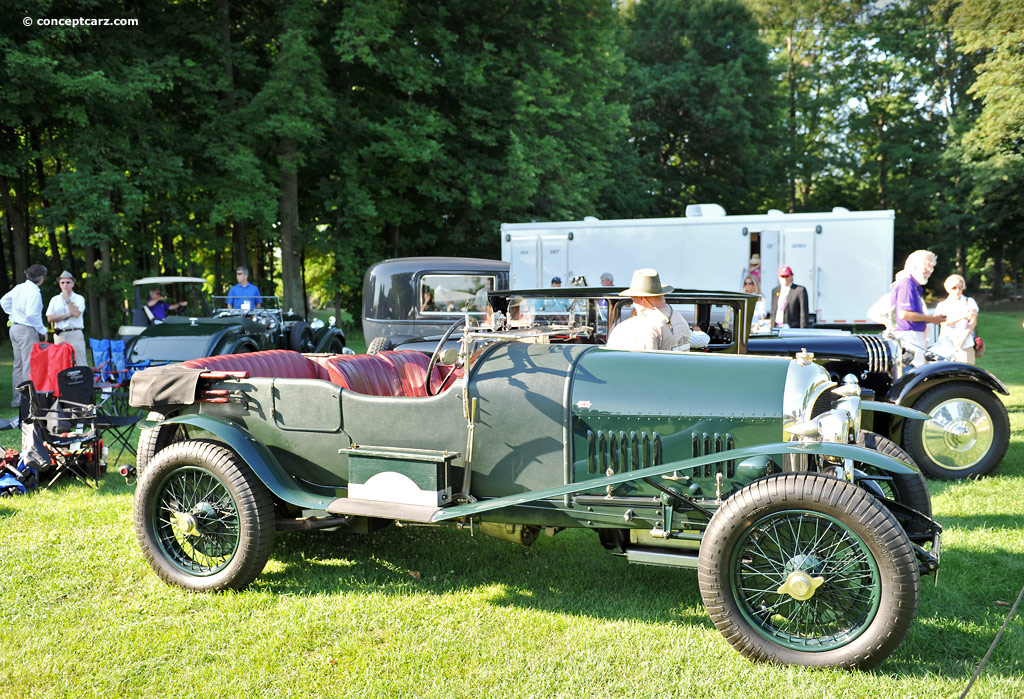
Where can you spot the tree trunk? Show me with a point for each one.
(168, 254)
(51, 233)
(391, 234)
(91, 295)
(241, 244)
(103, 302)
(17, 215)
(66, 239)
(997, 273)
(291, 272)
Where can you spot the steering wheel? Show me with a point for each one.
(437, 353)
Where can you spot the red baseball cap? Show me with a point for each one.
(785, 271)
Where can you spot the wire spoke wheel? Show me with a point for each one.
(805, 580)
(203, 519)
(807, 569)
(196, 521)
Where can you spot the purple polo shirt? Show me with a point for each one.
(906, 296)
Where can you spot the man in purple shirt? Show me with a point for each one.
(907, 299)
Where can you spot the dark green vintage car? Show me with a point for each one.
(809, 548)
(206, 326)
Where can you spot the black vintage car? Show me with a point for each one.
(969, 430)
(966, 437)
(207, 326)
(417, 296)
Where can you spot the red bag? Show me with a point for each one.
(979, 347)
(48, 360)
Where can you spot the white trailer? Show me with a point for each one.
(844, 258)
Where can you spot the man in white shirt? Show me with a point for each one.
(655, 325)
(66, 313)
(24, 305)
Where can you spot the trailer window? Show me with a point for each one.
(454, 293)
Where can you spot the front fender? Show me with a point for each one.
(325, 336)
(257, 457)
(916, 381)
(845, 451)
(893, 409)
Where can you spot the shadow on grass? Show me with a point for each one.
(573, 575)
(568, 574)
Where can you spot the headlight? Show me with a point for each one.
(805, 381)
(839, 425)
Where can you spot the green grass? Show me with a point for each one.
(413, 612)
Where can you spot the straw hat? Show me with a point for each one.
(646, 282)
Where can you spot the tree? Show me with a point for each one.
(702, 105)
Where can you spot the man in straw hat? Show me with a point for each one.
(66, 311)
(655, 325)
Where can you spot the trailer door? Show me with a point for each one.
(523, 270)
(554, 260)
(770, 261)
(798, 253)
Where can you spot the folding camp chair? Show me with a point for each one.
(76, 389)
(46, 361)
(63, 434)
(112, 373)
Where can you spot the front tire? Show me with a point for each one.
(204, 521)
(301, 337)
(967, 435)
(806, 569)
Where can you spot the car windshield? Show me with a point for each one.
(194, 300)
(235, 306)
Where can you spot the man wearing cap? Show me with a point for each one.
(243, 294)
(789, 302)
(24, 305)
(66, 311)
(655, 325)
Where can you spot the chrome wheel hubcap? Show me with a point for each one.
(959, 435)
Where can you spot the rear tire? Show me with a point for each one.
(806, 569)
(908, 489)
(203, 519)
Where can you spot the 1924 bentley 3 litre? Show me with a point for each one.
(808, 548)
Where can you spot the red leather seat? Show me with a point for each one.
(412, 370)
(284, 364)
(364, 373)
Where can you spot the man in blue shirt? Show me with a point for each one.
(244, 295)
(907, 299)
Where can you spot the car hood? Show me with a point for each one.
(183, 339)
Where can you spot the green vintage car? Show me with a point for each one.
(207, 326)
(808, 548)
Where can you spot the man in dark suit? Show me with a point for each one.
(789, 302)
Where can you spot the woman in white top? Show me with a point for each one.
(961, 318)
(751, 286)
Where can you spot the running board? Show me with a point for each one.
(383, 510)
(662, 557)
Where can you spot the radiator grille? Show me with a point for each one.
(878, 353)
